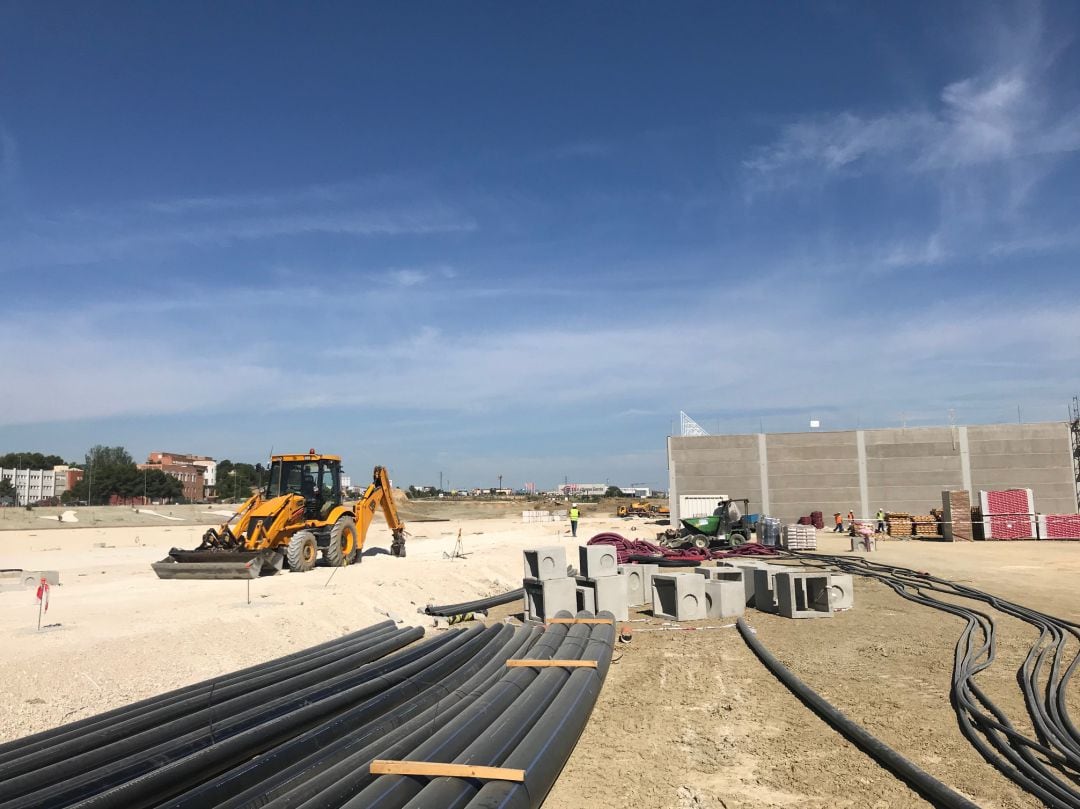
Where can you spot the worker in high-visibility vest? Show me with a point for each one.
(575, 515)
(881, 521)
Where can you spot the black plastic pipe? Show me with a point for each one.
(545, 749)
(258, 727)
(521, 696)
(918, 779)
(95, 755)
(351, 774)
(503, 737)
(18, 748)
(447, 610)
(387, 709)
(112, 740)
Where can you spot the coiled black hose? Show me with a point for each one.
(447, 610)
(1047, 766)
(922, 782)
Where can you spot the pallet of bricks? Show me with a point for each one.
(898, 523)
(799, 537)
(1008, 514)
(924, 525)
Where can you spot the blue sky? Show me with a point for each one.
(517, 239)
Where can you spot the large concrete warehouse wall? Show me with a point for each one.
(791, 474)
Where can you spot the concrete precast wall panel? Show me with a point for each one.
(902, 469)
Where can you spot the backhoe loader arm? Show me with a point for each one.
(379, 493)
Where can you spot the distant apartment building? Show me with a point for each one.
(65, 478)
(636, 491)
(31, 485)
(198, 473)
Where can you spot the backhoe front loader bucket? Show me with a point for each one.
(218, 564)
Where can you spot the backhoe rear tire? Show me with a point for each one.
(342, 545)
(302, 552)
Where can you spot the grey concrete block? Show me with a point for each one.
(748, 582)
(635, 585)
(586, 598)
(596, 561)
(803, 594)
(610, 595)
(18, 579)
(724, 598)
(764, 589)
(546, 597)
(679, 596)
(841, 591)
(548, 562)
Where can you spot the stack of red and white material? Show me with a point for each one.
(1008, 514)
(1059, 526)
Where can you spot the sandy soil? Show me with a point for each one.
(687, 719)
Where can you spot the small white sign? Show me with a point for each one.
(814, 424)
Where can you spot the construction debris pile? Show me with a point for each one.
(373, 718)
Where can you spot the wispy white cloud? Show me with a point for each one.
(1005, 111)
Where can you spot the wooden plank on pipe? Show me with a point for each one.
(569, 664)
(436, 770)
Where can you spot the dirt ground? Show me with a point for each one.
(686, 718)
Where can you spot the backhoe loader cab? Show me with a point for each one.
(297, 518)
(316, 479)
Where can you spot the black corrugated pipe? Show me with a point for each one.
(544, 750)
(115, 739)
(919, 780)
(523, 693)
(446, 610)
(504, 736)
(18, 748)
(386, 710)
(337, 783)
(258, 728)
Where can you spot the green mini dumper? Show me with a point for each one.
(726, 530)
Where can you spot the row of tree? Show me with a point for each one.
(235, 481)
(29, 460)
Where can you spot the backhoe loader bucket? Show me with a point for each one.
(218, 564)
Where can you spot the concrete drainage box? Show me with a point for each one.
(764, 592)
(724, 598)
(841, 591)
(546, 597)
(608, 595)
(545, 563)
(635, 584)
(679, 596)
(596, 561)
(803, 595)
(586, 598)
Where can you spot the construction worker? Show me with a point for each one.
(839, 529)
(881, 521)
(575, 515)
(851, 522)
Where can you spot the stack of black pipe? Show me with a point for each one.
(302, 730)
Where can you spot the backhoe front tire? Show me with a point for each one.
(342, 545)
(302, 552)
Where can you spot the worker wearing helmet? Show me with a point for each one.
(881, 521)
(575, 515)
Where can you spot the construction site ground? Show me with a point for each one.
(686, 718)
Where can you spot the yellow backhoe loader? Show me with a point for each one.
(298, 516)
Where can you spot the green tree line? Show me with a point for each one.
(29, 460)
(235, 481)
(112, 471)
